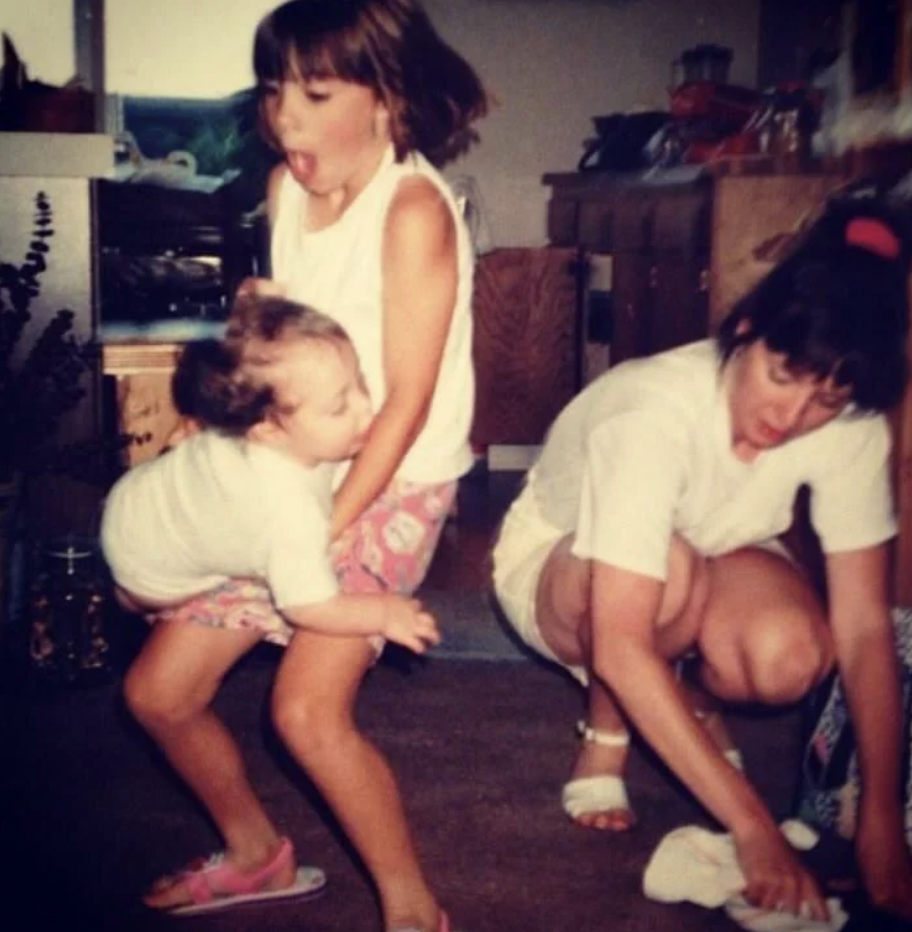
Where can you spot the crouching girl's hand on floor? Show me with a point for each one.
(775, 879)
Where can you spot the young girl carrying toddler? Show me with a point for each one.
(359, 97)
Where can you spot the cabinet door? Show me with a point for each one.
(680, 247)
(680, 301)
(145, 410)
(753, 220)
(633, 305)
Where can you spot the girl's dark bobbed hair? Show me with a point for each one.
(837, 304)
(432, 93)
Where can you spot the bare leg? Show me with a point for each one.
(779, 648)
(707, 708)
(313, 704)
(169, 689)
(564, 621)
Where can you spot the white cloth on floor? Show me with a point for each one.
(694, 864)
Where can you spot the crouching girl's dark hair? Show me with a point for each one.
(837, 304)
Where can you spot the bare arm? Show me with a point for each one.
(419, 294)
(625, 609)
(398, 618)
(866, 653)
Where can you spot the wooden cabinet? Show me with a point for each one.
(526, 343)
(752, 221)
(142, 378)
(658, 238)
(684, 251)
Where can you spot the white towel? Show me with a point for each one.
(693, 864)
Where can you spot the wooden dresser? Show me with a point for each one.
(684, 246)
(141, 372)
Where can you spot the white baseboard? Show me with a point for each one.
(507, 457)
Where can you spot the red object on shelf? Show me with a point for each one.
(730, 104)
(738, 144)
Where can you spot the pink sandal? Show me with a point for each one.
(215, 884)
(444, 925)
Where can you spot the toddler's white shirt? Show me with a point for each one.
(218, 507)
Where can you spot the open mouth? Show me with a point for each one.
(302, 166)
(771, 435)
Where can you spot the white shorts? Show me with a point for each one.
(524, 543)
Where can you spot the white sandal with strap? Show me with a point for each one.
(601, 793)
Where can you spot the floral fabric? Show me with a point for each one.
(388, 549)
(831, 781)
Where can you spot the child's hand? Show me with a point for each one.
(260, 287)
(407, 623)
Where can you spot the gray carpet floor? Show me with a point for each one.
(481, 738)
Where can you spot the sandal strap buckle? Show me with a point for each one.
(610, 739)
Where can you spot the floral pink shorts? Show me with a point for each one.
(388, 549)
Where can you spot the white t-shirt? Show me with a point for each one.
(645, 452)
(218, 507)
(338, 271)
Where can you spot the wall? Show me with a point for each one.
(42, 31)
(553, 64)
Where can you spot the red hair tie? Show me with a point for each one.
(873, 235)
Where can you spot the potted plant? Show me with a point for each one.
(43, 375)
(41, 382)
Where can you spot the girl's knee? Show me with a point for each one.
(148, 704)
(157, 703)
(785, 661)
(289, 717)
(305, 724)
